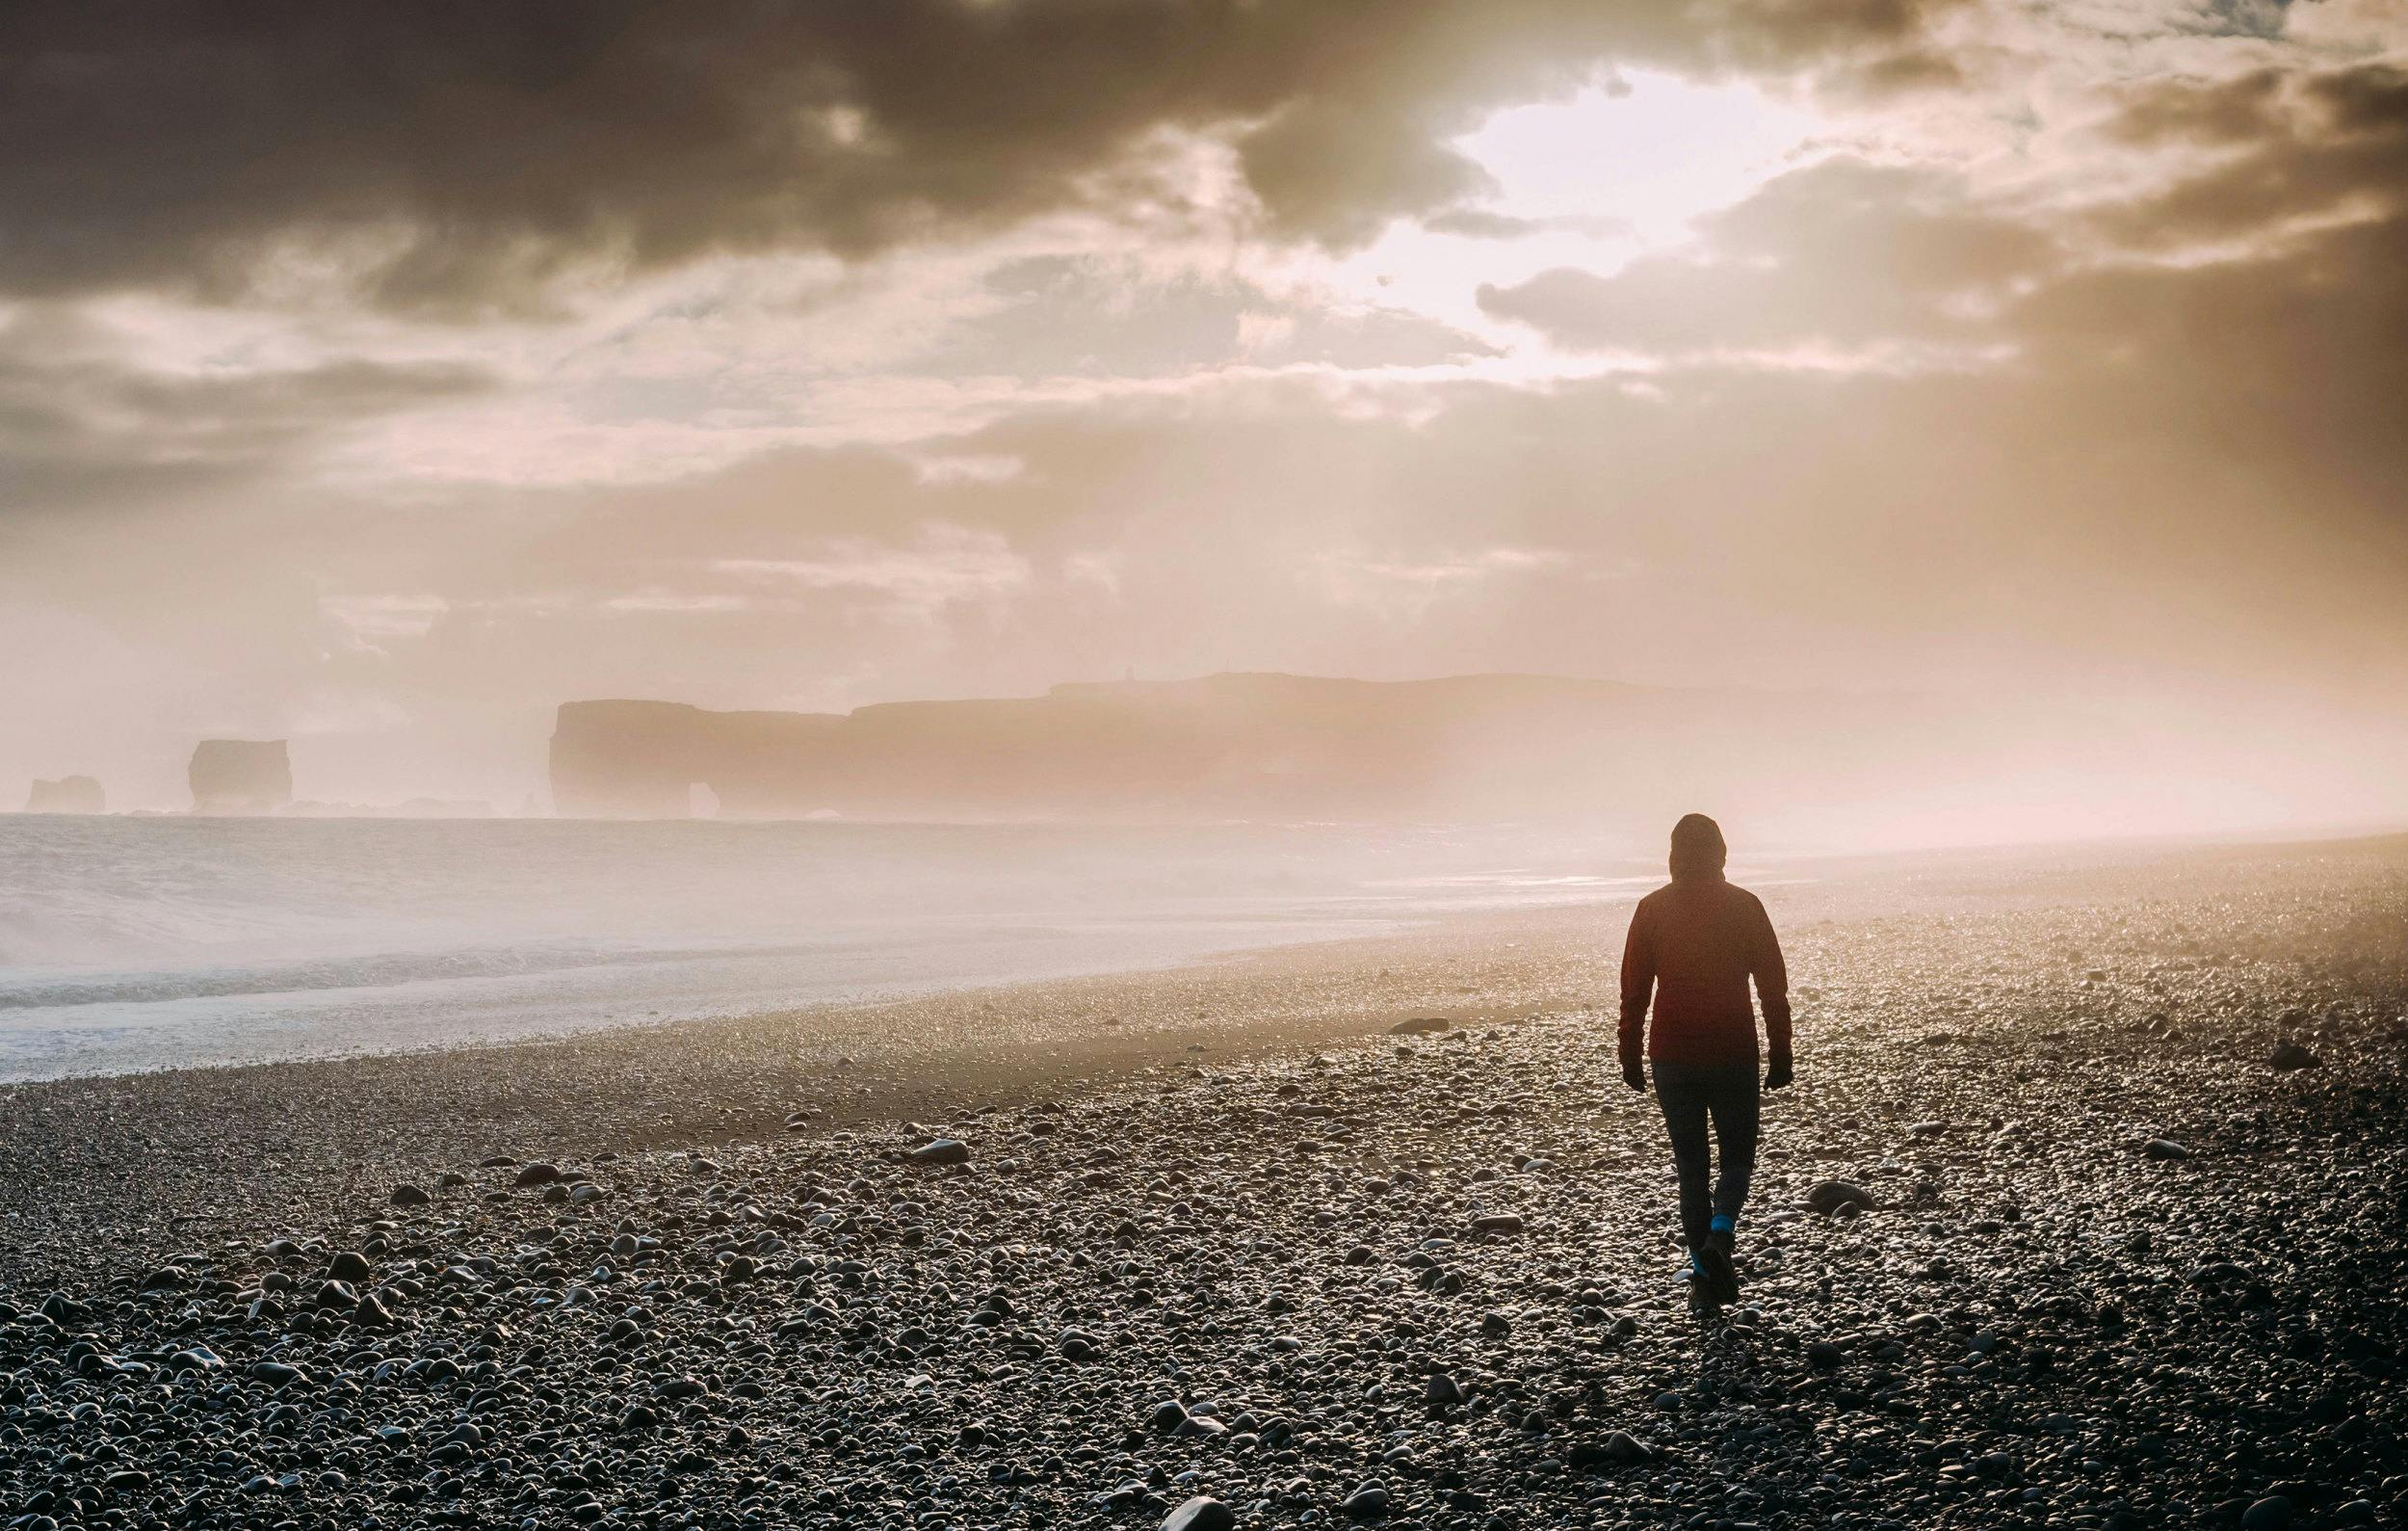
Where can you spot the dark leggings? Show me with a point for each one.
(1689, 1094)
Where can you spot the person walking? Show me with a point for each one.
(1694, 945)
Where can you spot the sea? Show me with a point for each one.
(130, 944)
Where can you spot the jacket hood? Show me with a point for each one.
(1697, 847)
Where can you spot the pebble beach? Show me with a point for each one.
(2085, 1212)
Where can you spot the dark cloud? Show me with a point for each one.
(82, 427)
(462, 154)
(1901, 72)
(2237, 110)
(2287, 146)
(1336, 172)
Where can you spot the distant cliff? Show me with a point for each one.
(639, 759)
(239, 775)
(1246, 745)
(68, 795)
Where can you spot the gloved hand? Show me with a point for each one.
(1635, 1076)
(1777, 1072)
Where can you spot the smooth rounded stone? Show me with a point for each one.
(1497, 1223)
(411, 1196)
(1167, 1415)
(1623, 1446)
(61, 1308)
(2273, 1513)
(1444, 1391)
(1823, 1355)
(350, 1266)
(939, 1152)
(1369, 1502)
(534, 1175)
(1421, 1026)
(2163, 1150)
(1618, 1448)
(1833, 1196)
(2289, 1057)
(1202, 1512)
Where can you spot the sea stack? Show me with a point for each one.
(68, 795)
(241, 775)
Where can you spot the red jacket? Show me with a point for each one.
(1693, 944)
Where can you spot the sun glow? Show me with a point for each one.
(1591, 180)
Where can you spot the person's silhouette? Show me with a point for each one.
(1692, 948)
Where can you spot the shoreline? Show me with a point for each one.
(522, 1031)
(289, 1133)
(239, 1028)
(259, 1143)
(121, 954)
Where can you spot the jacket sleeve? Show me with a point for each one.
(1773, 984)
(1638, 985)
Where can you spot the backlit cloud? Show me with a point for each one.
(459, 155)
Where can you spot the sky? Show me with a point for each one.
(379, 378)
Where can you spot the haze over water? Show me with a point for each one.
(137, 943)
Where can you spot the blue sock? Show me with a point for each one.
(1723, 1223)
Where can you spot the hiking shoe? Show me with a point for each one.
(1701, 1298)
(1713, 1264)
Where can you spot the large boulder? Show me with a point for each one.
(68, 795)
(241, 775)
